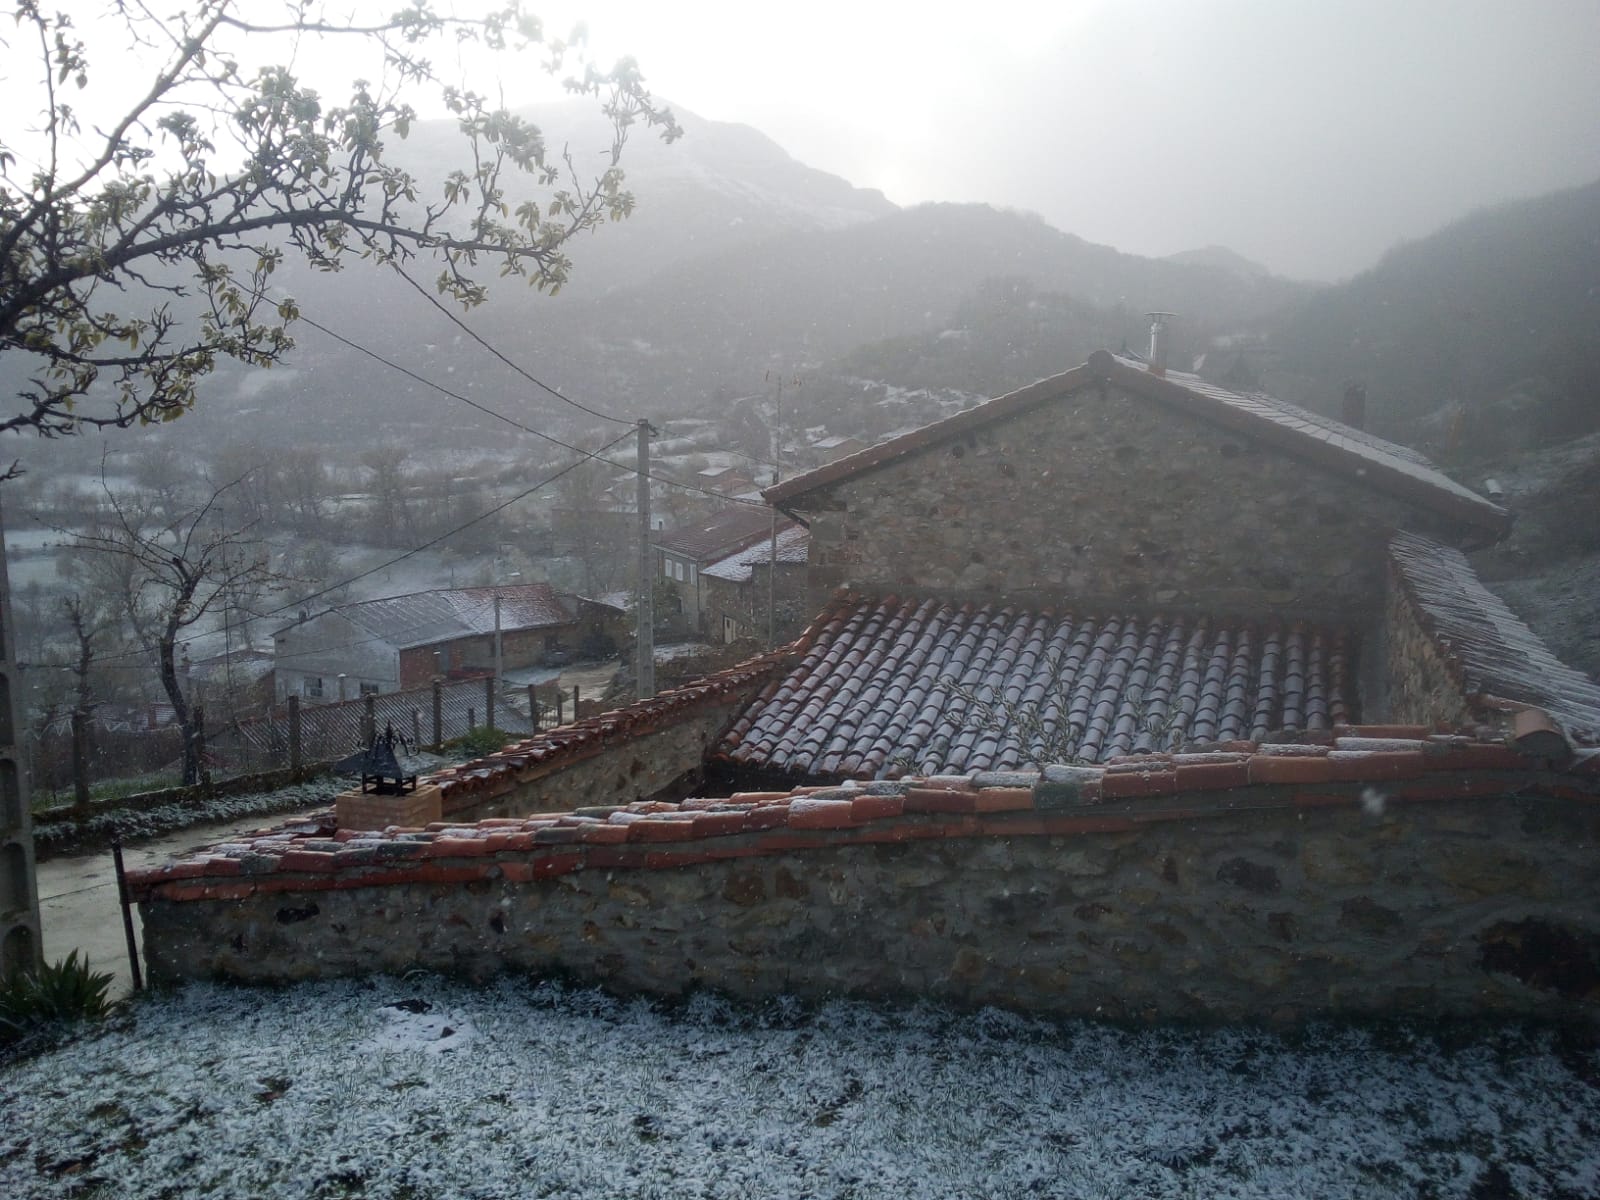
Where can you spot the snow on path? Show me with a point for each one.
(417, 1087)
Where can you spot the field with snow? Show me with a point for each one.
(424, 1088)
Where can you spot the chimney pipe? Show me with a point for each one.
(1355, 405)
(1158, 341)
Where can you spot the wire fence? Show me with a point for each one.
(292, 735)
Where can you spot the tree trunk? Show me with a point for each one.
(181, 712)
(80, 764)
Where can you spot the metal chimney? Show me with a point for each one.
(1355, 405)
(1158, 341)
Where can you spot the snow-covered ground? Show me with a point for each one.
(423, 1088)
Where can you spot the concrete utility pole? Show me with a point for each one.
(20, 946)
(644, 602)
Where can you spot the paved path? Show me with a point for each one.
(78, 895)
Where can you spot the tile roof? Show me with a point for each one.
(1492, 652)
(1409, 765)
(794, 543)
(424, 618)
(1384, 466)
(889, 687)
(718, 536)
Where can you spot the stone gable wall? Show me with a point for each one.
(1421, 688)
(1111, 499)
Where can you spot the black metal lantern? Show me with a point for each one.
(379, 766)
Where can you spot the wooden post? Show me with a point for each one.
(438, 712)
(560, 695)
(472, 719)
(533, 707)
(294, 733)
(488, 701)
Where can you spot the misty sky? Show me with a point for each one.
(1309, 136)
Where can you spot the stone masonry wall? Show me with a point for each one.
(1442, 895)
(1421, 688)
(651, 749)
(1111, 499)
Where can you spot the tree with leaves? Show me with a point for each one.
(138, 250)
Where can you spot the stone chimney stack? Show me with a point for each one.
(1158, 341)
(1355, 405)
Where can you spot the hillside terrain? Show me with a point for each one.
(741, 266)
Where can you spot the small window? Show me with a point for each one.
(691, 572)
(369, 689)
(313, 687)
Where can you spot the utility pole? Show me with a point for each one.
(499, 657)
(20, 946)
(644, 603)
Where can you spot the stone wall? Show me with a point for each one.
(651, 749)
(1114, 500)
(1420, 687)
(1430, 890)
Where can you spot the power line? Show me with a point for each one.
(483, 408)
(475, 336)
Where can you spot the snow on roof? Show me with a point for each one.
(718, 536)
(424, 618)
(793, 547)
(1382, 465)
(1492, 649)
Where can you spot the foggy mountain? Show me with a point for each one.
(1495, 317)
(737, 259)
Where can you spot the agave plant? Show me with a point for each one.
(50, 995)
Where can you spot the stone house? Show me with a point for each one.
(726, 481)
(1128, 696)
(685, 551)
(736, 590)
(400, 642)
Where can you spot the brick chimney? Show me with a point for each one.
(1158, 341)
(1354, 413)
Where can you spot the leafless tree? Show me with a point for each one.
(170, 575)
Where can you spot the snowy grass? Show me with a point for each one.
(424, 1088)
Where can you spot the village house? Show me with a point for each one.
(726, 481)
(1127, 696)
(401, 642)
(739, 590)
(684, 552)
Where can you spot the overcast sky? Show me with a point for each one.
(1309, 135)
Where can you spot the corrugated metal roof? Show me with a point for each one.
(890, 687)
(794, 543)
(424, 618)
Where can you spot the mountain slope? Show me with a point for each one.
(1498, 311)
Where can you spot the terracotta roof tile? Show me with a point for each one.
(892, 686)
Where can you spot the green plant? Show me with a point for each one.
(52, 995)
(479, 741)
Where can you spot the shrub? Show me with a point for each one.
(480, 740)
(52, 995)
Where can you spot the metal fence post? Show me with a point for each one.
(294, 733)
(369, 719)
(488, 703)
(438, 712)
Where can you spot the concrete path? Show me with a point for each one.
(78, 895)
